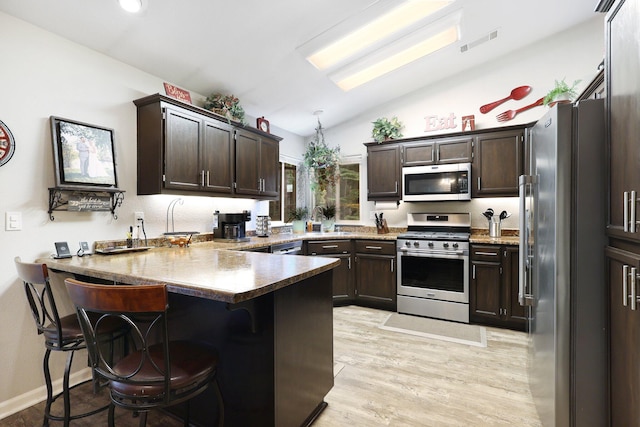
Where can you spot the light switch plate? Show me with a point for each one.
(13, 221)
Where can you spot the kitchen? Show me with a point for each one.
(39, 90)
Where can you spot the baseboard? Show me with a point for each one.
(33, 397)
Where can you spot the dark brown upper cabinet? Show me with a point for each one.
(184, 149)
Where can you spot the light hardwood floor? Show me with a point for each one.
(393, 379)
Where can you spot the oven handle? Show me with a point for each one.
(427, 254)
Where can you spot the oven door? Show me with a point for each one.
(434, 275)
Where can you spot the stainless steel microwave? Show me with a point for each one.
(436, 182)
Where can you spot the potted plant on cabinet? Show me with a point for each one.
(227, 106)
(298, 219)
(385, 129)
(322, 161)
(561, 93)
(328, 215)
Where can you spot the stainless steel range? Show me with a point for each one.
(433, 266)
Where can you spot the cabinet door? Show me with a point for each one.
(384, 174)
(514, 313)
(270, 169)
(376, 280)
(622, 107)
(419, 154)
(497, 164)
(624, 351)
(454, 150)
(343, 289)
(182, 143)
(247, 163)
(217, 157)
(485, 291)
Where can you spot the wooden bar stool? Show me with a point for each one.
(157, 372)
(60, 334)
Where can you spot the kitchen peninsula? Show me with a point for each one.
(269, 316)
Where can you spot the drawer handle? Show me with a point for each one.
(486, 253)
(377, 248)
(329, 246)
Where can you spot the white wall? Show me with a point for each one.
(43, 75)
(574, 54)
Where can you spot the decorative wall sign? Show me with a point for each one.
(7, 144)
(177, 93)
(82, 203)
(468, 123)
(435, 123)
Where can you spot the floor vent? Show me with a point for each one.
(492, 35)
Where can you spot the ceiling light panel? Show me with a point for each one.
(401, 17)
(379, 24)
(410, 48)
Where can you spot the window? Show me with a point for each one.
(288, 191)
(348, 190)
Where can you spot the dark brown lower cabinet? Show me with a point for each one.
(343, 286)
(493, 295)
(623, 268)
(376, 274)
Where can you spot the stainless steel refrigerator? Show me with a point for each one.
(562, 273)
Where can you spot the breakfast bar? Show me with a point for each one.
(269, 316)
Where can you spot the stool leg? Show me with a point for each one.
(216, 386)
(65, 389)
(47, 380)
(112, 409)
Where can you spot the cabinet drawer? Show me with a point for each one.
(485, 253)
(376, 247)
(329, 247)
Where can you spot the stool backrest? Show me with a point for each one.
(40, 297)
(144, 309)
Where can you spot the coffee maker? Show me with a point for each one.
(230, 227)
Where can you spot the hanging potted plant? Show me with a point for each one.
(298, 219)
(227, 106)
(328, 216)
(561, 93)
(322, 161)
(385, 129)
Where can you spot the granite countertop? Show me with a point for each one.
(502, 240)
(201, 270)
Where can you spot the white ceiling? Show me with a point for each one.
(248, 47)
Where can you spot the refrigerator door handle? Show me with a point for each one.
(633, 202)
(525, 298)
(633, 288)
(625, 211)
(625, 284)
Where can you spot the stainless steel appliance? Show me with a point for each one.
(562, 273)
(231, 227)
(433, 266)
(436, 182)
(287, 248)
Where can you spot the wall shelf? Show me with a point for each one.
(83, 199)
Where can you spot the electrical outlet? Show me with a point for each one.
(138, 216)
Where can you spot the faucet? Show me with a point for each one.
(171, 206)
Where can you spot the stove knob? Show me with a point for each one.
(407, 243)
(455, 245)
(416, 244)
(445, 245)
(430, 244)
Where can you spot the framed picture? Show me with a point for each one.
(83, 155)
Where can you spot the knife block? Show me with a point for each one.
(383, 228)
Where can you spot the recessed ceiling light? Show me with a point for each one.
(132, 6)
